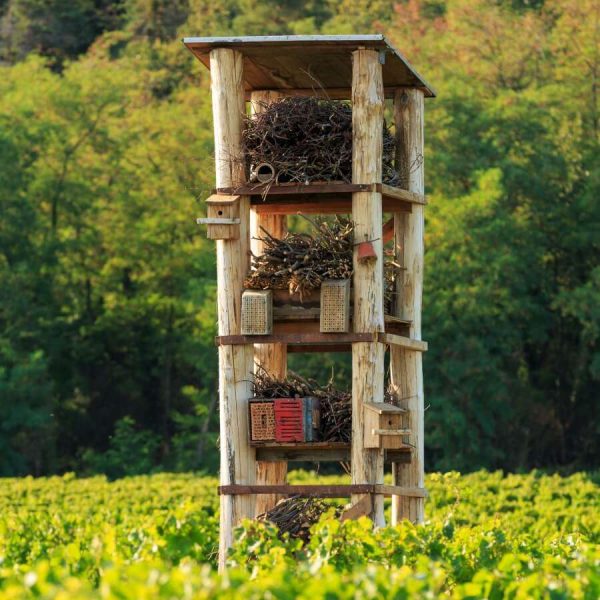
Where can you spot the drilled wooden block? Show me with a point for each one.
(257, 312)
(262, 420)
(335, 306)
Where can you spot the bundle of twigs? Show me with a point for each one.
(300, 262)
(336, 405)
(295, 516)
(308, 139)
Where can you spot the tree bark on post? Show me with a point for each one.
(238, 464)
(367, 357)
(271, 357)
(406, 366)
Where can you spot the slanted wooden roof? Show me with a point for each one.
(305, 64)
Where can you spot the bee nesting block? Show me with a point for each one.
(335, 306)
(257, 312)
(262, 420)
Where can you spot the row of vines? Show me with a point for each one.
(487, 535)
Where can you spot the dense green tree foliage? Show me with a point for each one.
(107, 287)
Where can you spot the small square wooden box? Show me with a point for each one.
(383, 426)
(262, 420)
(223, 217)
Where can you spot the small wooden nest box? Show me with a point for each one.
(257, 312)
(223, 217)
(383, 426)
(335, 306)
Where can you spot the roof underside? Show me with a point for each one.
(309, 63)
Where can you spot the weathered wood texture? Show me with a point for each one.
(322, 491)
(235, 362)
(367, 357)
(406, 365)
(271, 357)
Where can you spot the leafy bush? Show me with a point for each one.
(487, 536)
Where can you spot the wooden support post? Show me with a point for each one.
(271, 357)
(406, 365)
(367, 357)
(235, 362)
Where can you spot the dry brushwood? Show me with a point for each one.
(335, 404)
(308, 139)
(300, 262)
(295, 516)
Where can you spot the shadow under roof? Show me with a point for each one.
(306, 64)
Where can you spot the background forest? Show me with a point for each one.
(107, 286)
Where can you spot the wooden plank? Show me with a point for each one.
(235, 362)
(307, 491)
(296, 338)
(396, 490)
(270, 357)
(397, 193)
(362, 508)
(404, 342)
(406, 367)
(334, 454)
(322, 491)
(368, 315)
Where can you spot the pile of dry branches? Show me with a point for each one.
(300, 262)
(296, 516)
(308, 139)
(336, 405)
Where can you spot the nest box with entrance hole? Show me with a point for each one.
(223, 217)
(383, 425)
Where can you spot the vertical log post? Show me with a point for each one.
(367, 357)
(238, 464)
(406, 366)
(271, 357)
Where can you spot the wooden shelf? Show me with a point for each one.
(320, 198)
(319, 452)
(322, 342)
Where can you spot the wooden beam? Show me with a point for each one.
(235, 362)
(362, 508)
(338, 453)
(270, 357)
(406, 368)
(322, 491)
(367, 357)
(401, 341)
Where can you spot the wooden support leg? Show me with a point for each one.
(238, 464)
(271, 357)
(406, 366)
(367, 357)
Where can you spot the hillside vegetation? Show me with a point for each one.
(107, 286)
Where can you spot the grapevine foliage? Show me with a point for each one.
(487, 536)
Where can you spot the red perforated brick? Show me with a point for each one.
(289, 420)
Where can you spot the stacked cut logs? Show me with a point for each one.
(305, 140)
(300, 262)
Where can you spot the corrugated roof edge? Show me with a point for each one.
(259, 39)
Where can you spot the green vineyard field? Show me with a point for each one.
(487, 536)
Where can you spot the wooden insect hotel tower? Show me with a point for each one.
(365, 70)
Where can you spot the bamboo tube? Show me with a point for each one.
(406, 365)
(271, 357)
(235, 362)
(367, 358)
